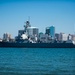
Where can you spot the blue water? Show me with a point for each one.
(37, 61)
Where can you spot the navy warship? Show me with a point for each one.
(27, 39)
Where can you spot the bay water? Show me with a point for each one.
(37, 61)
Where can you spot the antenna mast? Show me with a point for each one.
(27, 24)
(29, 18)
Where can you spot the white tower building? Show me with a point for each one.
(32, 31)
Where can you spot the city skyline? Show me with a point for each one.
(43, 13)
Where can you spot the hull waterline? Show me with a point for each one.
(36, 45)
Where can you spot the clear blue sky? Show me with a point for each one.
(43, 13)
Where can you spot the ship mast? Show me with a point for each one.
(27, 24)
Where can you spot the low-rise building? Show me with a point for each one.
(6, 37)
(63, 37)
(45, 38)
(73, 37)
(57, 36)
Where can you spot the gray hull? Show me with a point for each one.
(37, 45)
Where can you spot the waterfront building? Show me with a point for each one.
(73, 37)
(60, 37)
(40, 34)
(52, 32)
(6, 37)
(43, 38)
(32, 31)
(48, 30)
(57, 36)
(63, 37)
(10, 37)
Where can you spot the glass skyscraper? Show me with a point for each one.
(51, 31)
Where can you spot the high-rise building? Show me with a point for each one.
(51, 31)
(32, 31)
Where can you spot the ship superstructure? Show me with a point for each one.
(29, 34)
